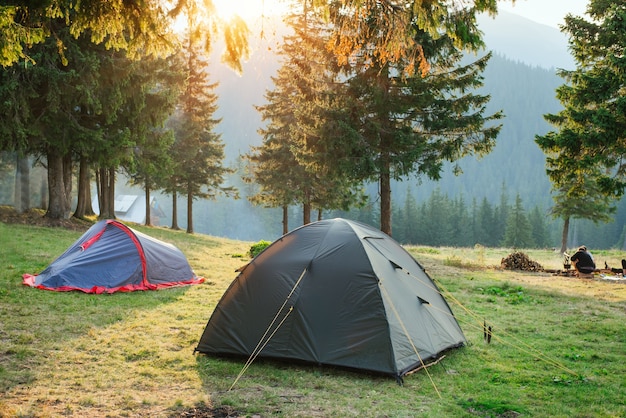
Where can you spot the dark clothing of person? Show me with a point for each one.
(584, 262)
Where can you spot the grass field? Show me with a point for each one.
(558, 348)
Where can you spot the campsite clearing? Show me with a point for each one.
(557, 347)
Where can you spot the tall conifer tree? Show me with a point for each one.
(409, 121)
(591, 137)
(303, 112)
(198, 151)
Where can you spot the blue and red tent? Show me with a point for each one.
(111, 257)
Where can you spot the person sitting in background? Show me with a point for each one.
(583, 261)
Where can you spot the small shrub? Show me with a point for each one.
(512, 294)
(455, 261)
(258, 247)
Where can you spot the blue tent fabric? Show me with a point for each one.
(111, 257)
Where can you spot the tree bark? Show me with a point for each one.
(189, 210)
(106, 193)
(306, 208)
(83, 205)
(306, 213)
(67, 183)
(148, 221)
(43, 204)
(385, 195)
(285, 219)
(175, 226)
(57, 202)
(111, 190)
(564, 235)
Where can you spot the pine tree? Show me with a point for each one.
(486, 229)
(406, 220)
(410, 122)
(589, 143)
(587, 202)
(140, 28)
(501, 216)
(461, 224)
(538, 226)
(303, 112)
(518, 233)
(197, 152)
(397, 22)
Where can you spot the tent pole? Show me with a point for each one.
(406, 333)
(264, 341)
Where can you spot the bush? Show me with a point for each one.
(258, 247)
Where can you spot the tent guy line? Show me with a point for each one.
(254, 355)
(258, 350)
(408, 336)
(523, 347)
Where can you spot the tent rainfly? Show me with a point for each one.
(334, 292)
(111, 257)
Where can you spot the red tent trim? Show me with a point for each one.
(142, 255)
(30, 279)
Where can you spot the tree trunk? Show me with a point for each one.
(22, 184)
(175, 226)
(306, 208)
(189, 210)
(57, 205)
(99, 189)
(148, 214)
(43, 204)
(285, 219)
(319, 214)
(111, 190)
(67, 183)
(564, 235)
(385, 195)
(106, 193)
(83, 205)
(386, 145)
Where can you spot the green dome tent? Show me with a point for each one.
(334, 292)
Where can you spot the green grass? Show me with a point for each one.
(558, 345)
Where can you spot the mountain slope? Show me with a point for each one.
(528, 42)
(520, 79)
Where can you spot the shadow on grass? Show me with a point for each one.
(38, 321)
(271, 386)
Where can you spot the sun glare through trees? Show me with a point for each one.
(248, 9)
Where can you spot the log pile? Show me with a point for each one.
(520, 261)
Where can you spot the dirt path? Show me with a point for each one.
(598, 287)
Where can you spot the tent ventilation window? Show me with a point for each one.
(395, 265)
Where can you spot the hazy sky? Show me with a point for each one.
(548, 12)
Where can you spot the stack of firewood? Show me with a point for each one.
(520, 261)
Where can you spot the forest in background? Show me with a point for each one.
(514, 171)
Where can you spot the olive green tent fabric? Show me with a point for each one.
(334, 292)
